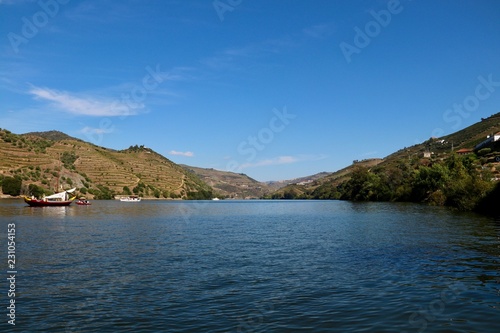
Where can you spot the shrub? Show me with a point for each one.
(484, 151)
(11, 186)
(126, 190)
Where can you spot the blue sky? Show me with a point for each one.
(273, 89)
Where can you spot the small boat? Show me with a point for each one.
(131, 198)
(58, 199)
(83, 202)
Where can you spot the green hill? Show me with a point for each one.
(440, 171)
(51, 160)
(324, 181)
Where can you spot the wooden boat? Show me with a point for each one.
(58, 199)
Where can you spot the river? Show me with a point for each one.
(250, 266)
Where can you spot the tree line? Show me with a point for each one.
(458, 181)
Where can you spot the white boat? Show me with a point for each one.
(132, 198)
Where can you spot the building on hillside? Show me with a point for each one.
(465, 151)
(427, 154)
(491, 139)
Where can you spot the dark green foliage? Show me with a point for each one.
(36, 190)
(68, 159)
(11, 185)
(199, 195)
(139, 189)
(136, 148)
(428, 180)
(326, 193)
(458, 181)
(103, 193)
(455, 182)
(362, 186)
(126, 190)
(484, 151)
(489, 203)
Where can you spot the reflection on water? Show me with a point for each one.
(258, 266)
(50, 212)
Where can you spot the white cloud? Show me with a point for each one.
(92, 130)
(84, 105)
(181, 153)
(230, 58)
(319, 31)
(282, 160)
(273, 161)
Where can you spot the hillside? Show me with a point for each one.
(451, 170)
(240, 186)
(442, 147)
(276, 185)
(229, 184)
(52, 159)
(305, 189)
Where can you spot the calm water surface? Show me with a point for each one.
(254, 266)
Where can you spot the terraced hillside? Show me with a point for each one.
(52, 159)
(229, 184)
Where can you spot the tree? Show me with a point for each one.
(428, 180)
(11, 186)
(126, 190)
(68, 159)
(36, 190)
(362, 186)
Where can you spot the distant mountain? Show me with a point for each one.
(275, 185)
(53, 159)
(229, 184)
(240, 186)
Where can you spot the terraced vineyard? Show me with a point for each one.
(231, 185)
(66, 162)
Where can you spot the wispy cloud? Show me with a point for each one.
(282, 160)
(92, 130)
(319, 31)
(230, 57)
(84, 105)
(181, 153)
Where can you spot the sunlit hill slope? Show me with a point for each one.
(52, 160)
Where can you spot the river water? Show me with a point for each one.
(250, 266)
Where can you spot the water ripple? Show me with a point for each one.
(255, 267)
